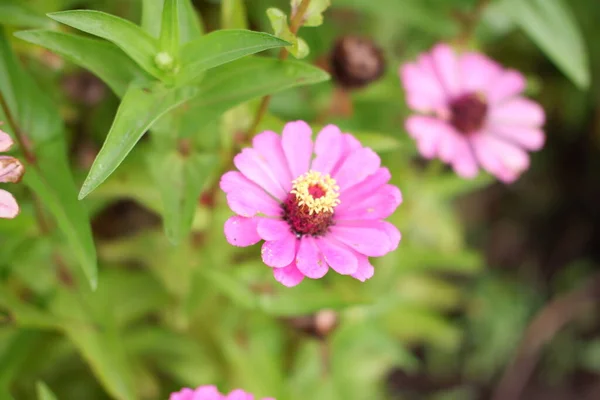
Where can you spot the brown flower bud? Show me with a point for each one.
(11, 169)
(319, 325)
(356, 62)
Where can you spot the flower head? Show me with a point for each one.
(211, 393)
(11, 170)
(316, 205)
(475, 115)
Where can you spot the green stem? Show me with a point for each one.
(296, 23)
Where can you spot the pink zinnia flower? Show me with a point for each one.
(11, 170)
(312, 213)
(475, 114)
(211, 393)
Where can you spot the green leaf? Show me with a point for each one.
(190, 25)
(102, 58)
(44, 392)
(14, 358)
(24, 314)
(169, 29)
(233, 14)
(180, 179)
(232, 287)
(294, 303)
(48, 174)
(14, 13)
(314, 13)
(228, 85)
(552, 26)
(378, 142)
(140, 108)
(222, 47)
(134, 41)
(279, 22)
(92, 329)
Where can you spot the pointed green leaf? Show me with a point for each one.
(221, 47)
(233, 14)
(180, 179)
(552, 26)
(44, 392)
(91, 326)
(15, 13)
(169, 29)
(102, 58)
(140, 108)
(314, 13)
(190, 25)
(279, 23)
(228, 85)
(14, 358)
(133, 40)
(49, 174)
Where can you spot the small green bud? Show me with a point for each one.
(164, 61)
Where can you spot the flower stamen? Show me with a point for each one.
(318, 192)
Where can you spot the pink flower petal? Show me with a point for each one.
(8, 205)
(510, 83)
(365, 269)
(11, 169)
(201, 393)
(246, 198)
(349, 145)
(268, 144)
(423, 89)
(310, 260)
(297, 146)
(359, 165)
(6, 141)
(364, 189)
(446, 67)
(183, 394)
(463, 161)
(393, 233)
(254, 167)
(239, 395)
(273, 229)
(529, 138)
(477, 72)
(517, 111)
(369, 239)
(428, 132)
(500, 158)
(448, 143)
(377, 205)
(241, 231)
(328, 149)
(338, 256)
(280, 253)
(289, 276)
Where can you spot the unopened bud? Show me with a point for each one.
(356, 62)
(164, 61)
(11, 169)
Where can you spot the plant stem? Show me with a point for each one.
(469, 22)
(296, 23)
(19, 135)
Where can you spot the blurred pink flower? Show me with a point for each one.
(11, 170)
(312, 213)
(474, 113)
(211, 393)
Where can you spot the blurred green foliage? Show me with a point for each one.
(179, 306)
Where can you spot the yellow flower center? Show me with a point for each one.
(318, 192)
